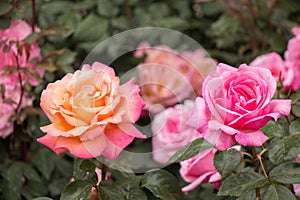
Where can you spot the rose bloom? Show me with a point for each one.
(236, 103)
(184, 73)
(91, 113)
(8, 105)
(200, 169)
(17, 32)
(170, 133)
(277, 66)
(292, 58)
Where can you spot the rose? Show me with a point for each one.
(200, 169)
(185, 72)
(170, 133)
(12, 56)
(91, 113)
(9, 104)
(276, 65)
(236, 103)
(292, 57)
(161, 62)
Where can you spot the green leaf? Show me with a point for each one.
(5, 7)
(79, 189)
(135, 192)
(294, 126)
(273, 129)
(295, 96)
(190, 150)
(284, 149)
(227, 161)
(42, 198)
(108, 191)
(92, 28)
(87, 166)
(162, 184)
(250, 195)
(287, 173)
(106, 8)
(238, 184)
(33, 189)
(44, 162)
(278, 192)
(296, 109)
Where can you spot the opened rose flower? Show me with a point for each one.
(91, 113)
(170, 133)
(236, 103)
(167, 77)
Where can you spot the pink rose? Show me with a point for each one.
(276, 65)
(200, 169)
(236, 103)
(91, 113)
(8, 105)
(292, 57)
(17, 32)
(185, 73)
(170, 131)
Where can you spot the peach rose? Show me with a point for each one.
(167, 77)
(91, 113)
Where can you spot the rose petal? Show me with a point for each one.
(255, 138)
(196, 183)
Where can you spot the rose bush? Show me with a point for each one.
(91, 113)
(236, 103)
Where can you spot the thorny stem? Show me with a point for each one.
(33, 15)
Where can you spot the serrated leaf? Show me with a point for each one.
(108, 191)
(295, 96)
(294, 126)
(190, 150)
(92, 28)
(227, 161)
(106, 8)
(238, 184)
(287, 173)
(87, 166)
(273, 129)
(284, 149)
(44, 163)
(250, 195)
(296, 109)
(278, 192)
(79, 189)
(162, 184)
(5, 7)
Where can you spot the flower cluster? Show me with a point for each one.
(16, 69)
